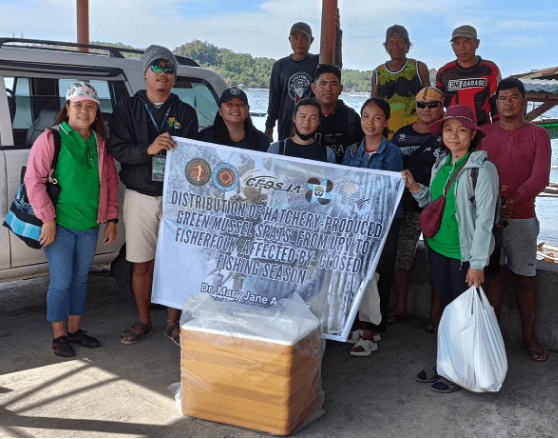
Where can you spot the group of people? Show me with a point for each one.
(478, 150)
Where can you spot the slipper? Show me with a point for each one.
(136, 336)
(354, 336)
(168, 333)
(428, 375)
(431, 327)
(62, 348)
(80, 337)
(396, 318)
(376, 337)
(368, 347)
(538, 355)
(443, 385)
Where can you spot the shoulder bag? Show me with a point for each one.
(21, 218)
(431, 217)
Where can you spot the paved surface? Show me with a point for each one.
(122, 391)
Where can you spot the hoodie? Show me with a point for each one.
(132, 131)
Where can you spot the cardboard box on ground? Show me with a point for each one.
(253, 367)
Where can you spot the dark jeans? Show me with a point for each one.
(448, 275)
(385, 267)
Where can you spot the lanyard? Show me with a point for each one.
(153, 118)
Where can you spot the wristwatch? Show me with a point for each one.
(114, 220)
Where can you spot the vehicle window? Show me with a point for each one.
(35, 102)
(200, 95)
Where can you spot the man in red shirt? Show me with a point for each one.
(521, 152)
(470, 80)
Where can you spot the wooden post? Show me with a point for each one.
(83, 23)
(329, 32)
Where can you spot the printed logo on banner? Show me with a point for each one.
(226, 177)
(351, 194)
(198, 172)
(318, 191)
(261, 181)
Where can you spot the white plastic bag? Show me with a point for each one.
(471, 349)
(369, 310)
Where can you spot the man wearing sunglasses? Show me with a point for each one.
(140, 136)
(420, 151)
(470, 80)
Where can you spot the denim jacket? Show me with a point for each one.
(388, 157)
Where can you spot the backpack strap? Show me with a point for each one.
(57, 148)
(284, 145)
(472, 178)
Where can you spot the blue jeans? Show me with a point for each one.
(69, 259)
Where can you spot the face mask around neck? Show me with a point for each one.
(303, 137)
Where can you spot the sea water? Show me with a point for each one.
(546, 206)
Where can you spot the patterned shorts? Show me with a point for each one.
(409, 234)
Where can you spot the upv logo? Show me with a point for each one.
(319, 191)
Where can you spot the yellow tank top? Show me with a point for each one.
(399, 90)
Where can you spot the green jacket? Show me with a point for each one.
(475, 222)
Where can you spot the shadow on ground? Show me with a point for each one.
(119, 390)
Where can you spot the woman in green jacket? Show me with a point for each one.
(461, 248)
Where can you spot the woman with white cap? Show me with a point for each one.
(461, 248)
(88, 182)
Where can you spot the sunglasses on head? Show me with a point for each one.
(159, 69)
(432, 104)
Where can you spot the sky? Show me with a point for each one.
(518, 36)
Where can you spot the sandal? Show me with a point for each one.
(135, 336)
(538, 355)
(431, 327)
(396, 318)
(368, 347)
(443, 385)
(428, 375)
(62, 348)
(170, 329)
(354, 336)
(80, 337)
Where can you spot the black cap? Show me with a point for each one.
(233, 92)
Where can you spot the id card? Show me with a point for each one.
(158, 168)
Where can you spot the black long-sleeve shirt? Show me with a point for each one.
(290, 82)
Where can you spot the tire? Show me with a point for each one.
(121, 270)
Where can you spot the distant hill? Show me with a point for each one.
(243, 69)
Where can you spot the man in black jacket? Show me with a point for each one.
(140, 136)
(340, 126)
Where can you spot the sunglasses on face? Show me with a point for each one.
(159, 69)
(432, 104)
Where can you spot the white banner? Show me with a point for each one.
(256, 227)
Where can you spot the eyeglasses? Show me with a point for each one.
(159, 69)
(431, 104)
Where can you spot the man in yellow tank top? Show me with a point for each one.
(400, 79)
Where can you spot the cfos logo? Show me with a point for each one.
(318, 191)
(225, 177)
(198, 172)
(271, 182)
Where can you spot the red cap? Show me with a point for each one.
(461, 113)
